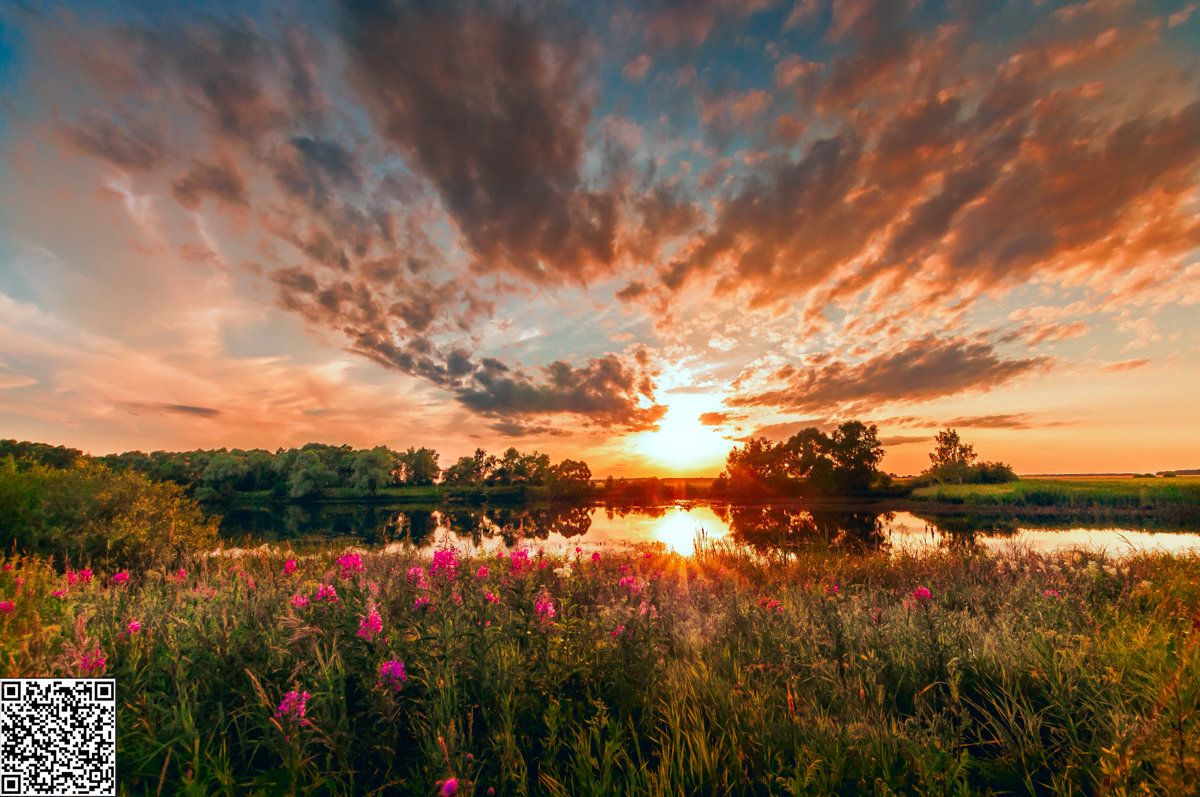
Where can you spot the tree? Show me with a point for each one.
(570, 479)
(419, 466)
(951, 458)
(372, 470)
(856, 452)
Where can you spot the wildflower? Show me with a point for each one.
(578, 550)
(133, 627)
(445, 562)
(85, 576)
(289, 566)
(180, 575)
(95, 661)
(545, 608)
(6, 607)
(596, 557)
(618, 631)
(648, 608)
(351, 563)
(1051, 593)
(519, 561)
(392, 671)
(450, 787)
(293, 706)
(482, 572)
(490, 598)
(922, 594)
(415, 574)
(421, 601)
(120, 578)
(299, 601)
(632, 584)
(771, 605)
(327, 593)
(831, 589)
(370, 624)
(59, 593)
(876, 615)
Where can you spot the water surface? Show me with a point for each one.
(678, 526)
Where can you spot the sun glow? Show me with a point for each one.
(683, 445)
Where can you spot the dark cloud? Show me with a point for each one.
(1000, 421)
(904, 440)
(130, 145)
(919, 370)
(137, 408)
(883, 38)
(518, 429)
(672, 23)
(604, 391)
(782, 431)
(490, 105)
(220, 181)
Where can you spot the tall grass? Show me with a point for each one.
(1090, 493)
(728, 672)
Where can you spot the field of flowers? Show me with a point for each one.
(630, 671)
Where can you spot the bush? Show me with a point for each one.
(90, 513)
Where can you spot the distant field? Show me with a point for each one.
(1122, 492)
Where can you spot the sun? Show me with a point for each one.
(682, 445)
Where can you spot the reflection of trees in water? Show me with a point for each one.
(787, 527)
(620, 511)
(515, 523)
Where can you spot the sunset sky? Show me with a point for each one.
(629, 233)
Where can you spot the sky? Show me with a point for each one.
(633, 233)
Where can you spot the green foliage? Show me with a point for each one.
(729, 672)
(810, 461)
(953, 462)
(1174, 497)
(89, 514)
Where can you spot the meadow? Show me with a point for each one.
(1092, 492)
(630, 670)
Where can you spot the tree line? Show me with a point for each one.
(318, 469)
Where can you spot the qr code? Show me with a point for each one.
(58, 736)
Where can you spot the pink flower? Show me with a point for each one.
(421, 601)
(392, 671)
(922, 594)
(289, 566)
(133, 627)
(415, 574)
(120, 578)
(95, 661)
(482, 572)
(491, 598)
(327, 593)
(831, 589)
(618, 631)
(876, 615)
(545, 608)
(596, 557)
(450, 787)
(59, 593)
(519, 561)
(293, 706)
(85, 576)
(180, 575)
(1053, 593)
(351, 563)
(632, 584)
(370, 625)
(299, 601)
(445, 562)
(6, 607)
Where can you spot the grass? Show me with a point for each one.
(1076, 493)
(728, 672)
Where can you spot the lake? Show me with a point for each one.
(679, 525)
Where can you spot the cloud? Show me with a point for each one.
(635, 71)
(490, 105)
(220, 181)
(904, 440)
(129, 145)
(181, 409)
(715, 418)
(1125, 365)
(603, 392)
(998, 421)
(918, 370)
